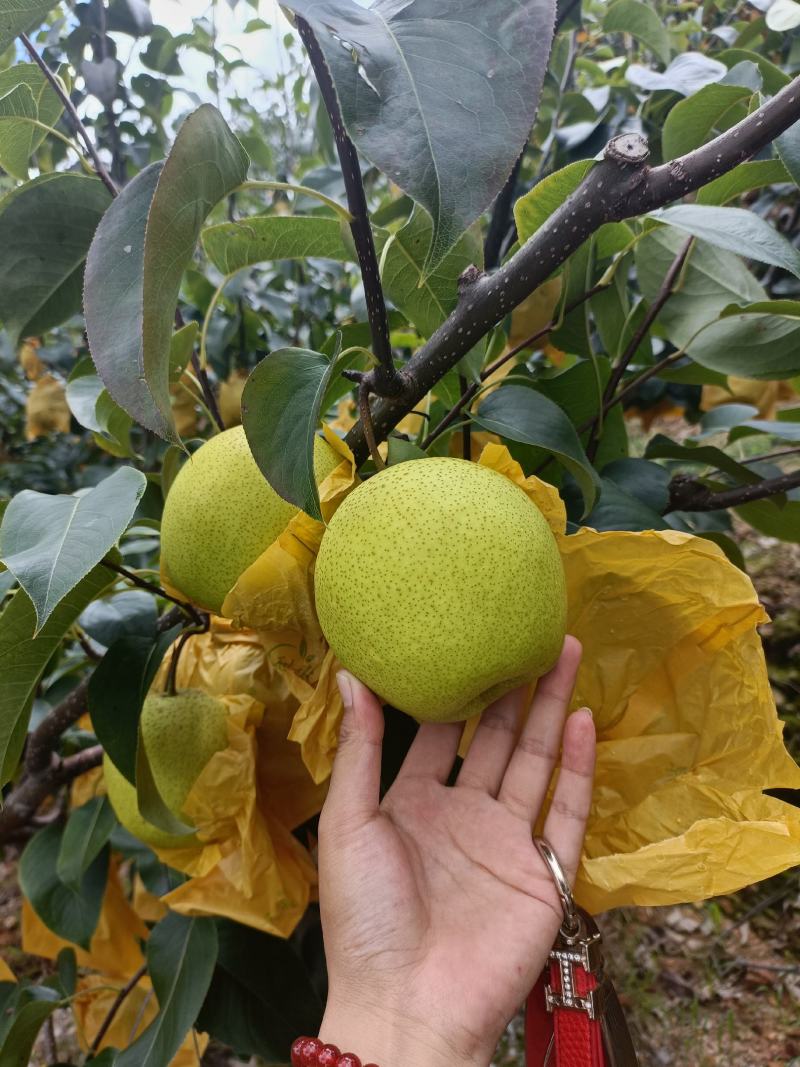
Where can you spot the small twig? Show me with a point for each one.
(156, 590)
(129, 986)
(565, 13)
(58, 89)
(687, 494)
(666, 290)
(764, 965)
(384, 379)
(49, 1040)
(366, 417)
(472, 390)
(466, 429)
(44, 738)
(208, 393)
(501, 216)
(772, 455)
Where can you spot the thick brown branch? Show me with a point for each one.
(384, 379)
(687, 494)
(619, 187)
(71, 110)
(24, 801)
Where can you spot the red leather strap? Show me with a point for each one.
(578, 1039)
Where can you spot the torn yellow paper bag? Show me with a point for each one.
(115, 946)
(92, 1004)
(689, 737)
(249, 866)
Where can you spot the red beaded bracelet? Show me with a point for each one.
(311, 1052)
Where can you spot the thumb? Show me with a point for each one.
(355, 781)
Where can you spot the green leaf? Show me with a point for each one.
(522, 414)
(734, 229)
(86, 832)
(232, 246)
(46, 227)
(117, 690)
(711, 281)
(773, 77)
(401, 451)
(138, 258)
(742, 179)
(206, 163)
(783, 15)
(281, 406)
(130, 613)
(661, 447)
(20, 139)
(774, 520)
(783, 429)
(534, 208)
(425, 300)
(699, 117)
(24, 657)
(750, 345)
(113, 300)
(30, 1008)
(72, 913)
(641, 22)
(787, 145)
(444, 112)
(49, 543)
(21, 16)
(67, 971)
(261, 996)
(181, 954)
(619, 509)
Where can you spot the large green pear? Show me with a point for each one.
(440, 585)
(221, 514)
(180, 734)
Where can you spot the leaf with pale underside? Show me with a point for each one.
(440, 95)
(50, 542)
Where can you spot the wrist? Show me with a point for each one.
(391, 1039)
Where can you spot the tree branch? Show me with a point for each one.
(384, 380)
(23, 802)
(687, 494)
(471, 391)
(43, 773)
(662, 296)
(129, 986)
(71, 110)
(619, 187)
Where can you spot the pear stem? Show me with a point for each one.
(170, 686)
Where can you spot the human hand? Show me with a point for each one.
(437, 911)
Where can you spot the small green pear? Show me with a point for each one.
(440, 585)
(221, 514)
(180, 733)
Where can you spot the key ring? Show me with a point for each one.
(572, 924)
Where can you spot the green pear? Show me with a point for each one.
(440, 585)
(221, 514)
(180, 734)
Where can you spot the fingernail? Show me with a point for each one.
(588, 712)
(345, 683)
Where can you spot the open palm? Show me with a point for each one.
(438, 912)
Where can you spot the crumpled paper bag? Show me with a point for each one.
(248, 865)
(688, 734)
(115, 948)
(6, 974)
(95, 996)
